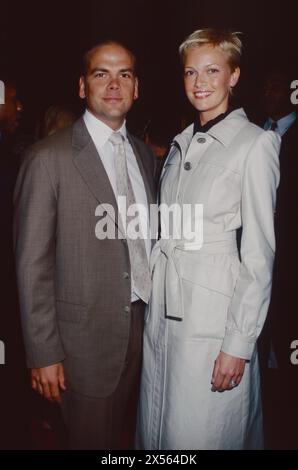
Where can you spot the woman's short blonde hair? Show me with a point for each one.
(229, 42)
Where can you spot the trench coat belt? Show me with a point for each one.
(221, 243)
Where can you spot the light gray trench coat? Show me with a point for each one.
(206, 300)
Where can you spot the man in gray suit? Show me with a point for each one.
(82, 296)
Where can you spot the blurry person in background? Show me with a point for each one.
(279, 110)
(279, 115)
(157, 135)
(10, 111)
(56, 117)
(10, 116)
(14, 389)
(13, 140)
(281, 328)
(156, 140)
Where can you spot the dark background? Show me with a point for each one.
(42, 43)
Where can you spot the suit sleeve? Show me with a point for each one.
(251, 297)
(34, 240)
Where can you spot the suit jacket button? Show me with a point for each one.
(187, 166)
(125, 275)
(201, 140)
(126, 309)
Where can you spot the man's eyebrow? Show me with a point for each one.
(98, 69)
(128, 70)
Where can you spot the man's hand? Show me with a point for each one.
(48, 381)
(227, 373)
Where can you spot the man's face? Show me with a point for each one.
(277, 96)
(110, 86)
(10, 111)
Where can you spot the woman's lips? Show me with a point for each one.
(202, 94)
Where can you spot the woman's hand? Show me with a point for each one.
(227, 373)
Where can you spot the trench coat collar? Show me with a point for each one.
(224, 131)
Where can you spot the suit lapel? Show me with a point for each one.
(91, 169)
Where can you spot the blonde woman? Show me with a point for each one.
(200, 383)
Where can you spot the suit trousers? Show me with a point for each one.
(109, 422)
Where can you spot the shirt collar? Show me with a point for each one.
(99, 131)
(283, 124)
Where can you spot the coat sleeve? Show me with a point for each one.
(250, 302)
(34, 242)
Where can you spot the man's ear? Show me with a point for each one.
(136, 90)
(82, 85)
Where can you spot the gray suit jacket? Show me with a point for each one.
(72, 287)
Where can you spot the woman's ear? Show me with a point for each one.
(234, 77)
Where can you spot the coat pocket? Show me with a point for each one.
(213, 272)
(207, 288)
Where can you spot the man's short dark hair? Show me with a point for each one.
(108, 42)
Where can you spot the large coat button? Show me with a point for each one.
(187, 166)
(201, 140)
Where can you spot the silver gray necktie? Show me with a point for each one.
(136, 247)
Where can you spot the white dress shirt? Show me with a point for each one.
(100, 134)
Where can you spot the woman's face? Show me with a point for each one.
(208, 79)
